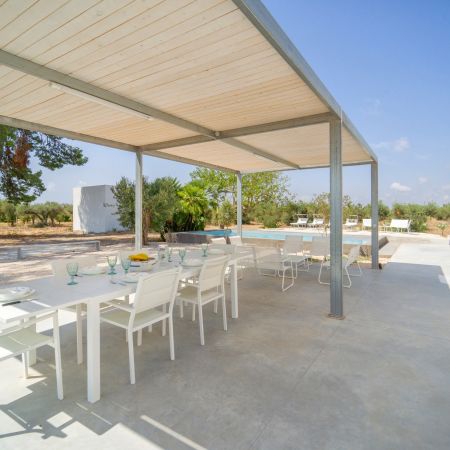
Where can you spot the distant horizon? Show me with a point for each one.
(385, 63)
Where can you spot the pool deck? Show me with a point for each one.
(284, 376)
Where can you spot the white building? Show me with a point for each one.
(94, 209)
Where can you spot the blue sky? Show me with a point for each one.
(387, 63)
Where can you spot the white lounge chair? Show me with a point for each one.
(367, 223)
(317, 222)
(398, 225)
(20, 339)
(347, 261)
(153, 303)
(210, 288)
(351, 222)
(302, 221)
(293, 248)
(271, 262)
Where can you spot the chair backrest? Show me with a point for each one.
(235, 240)
(302, 218)
(367, 222)
(212, 273)
(267, 253)
(400, 223)
(318, 220)
(156, 289)
(353, 255)
(292, 245)
(320, 247)
(218, 240)
(351, 220)
(59, 265)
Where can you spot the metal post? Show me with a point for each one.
(239, 203)
(336, 294)
(374, 201)
(138, 203)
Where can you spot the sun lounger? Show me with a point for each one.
(367, 223)
(351, 222)
(302, 221)
(398, 225)
(317, 222)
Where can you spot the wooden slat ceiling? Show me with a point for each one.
(199, 60)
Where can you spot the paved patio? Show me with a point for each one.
(283, 376)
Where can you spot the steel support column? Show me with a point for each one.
(239, 203)
(374, 201)
(336, 294)
(138, 203)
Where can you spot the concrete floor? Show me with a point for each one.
(284, 376)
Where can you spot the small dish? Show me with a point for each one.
(15, 293)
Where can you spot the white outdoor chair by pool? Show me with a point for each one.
(398, 225)
(302, 221)
(317, 222)
(347, 261)
(293, 248)
(22, 338)
(210, 288)
(351, 222)
(60, 271)
(153, 303)
(271, 262)
(367, 223)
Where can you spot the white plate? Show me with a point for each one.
(131, 277)
(15, 293)
(193, 262)
(92, 270)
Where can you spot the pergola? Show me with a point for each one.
(215, 83)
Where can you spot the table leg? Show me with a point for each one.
(31, 356)
(93, 351)
(234, 291)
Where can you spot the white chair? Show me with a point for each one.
(293, 248)
(317, 222)
(153, 303)
(367, 223)
(320, 248)
(210, 288)
(347, 261)
(23, 338)
(218, 240)
(351, 222)
(235, 240)
(302, 221)
(59, 271)
(271, 262)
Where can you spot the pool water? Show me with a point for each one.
(279, 235)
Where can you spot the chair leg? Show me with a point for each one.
(171, 343)
(139, 337)
(164, 322)
(216, 303)
(193, 312)
(57, 344)
(131, 357)
(181, 309)
(200, 324)
(79, 334)
(349, 285)
(25, 364)
(224, 312)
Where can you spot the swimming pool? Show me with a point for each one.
(280, 235)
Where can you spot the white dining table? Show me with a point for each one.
(53, 294)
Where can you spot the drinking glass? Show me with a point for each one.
(182, 253)
(112, 261)
(72, 270)
(126, 263)
(161, 253)
(169, 255)
(205, 249)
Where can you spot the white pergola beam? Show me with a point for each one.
(138, 203)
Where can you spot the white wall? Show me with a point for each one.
(93, 209)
